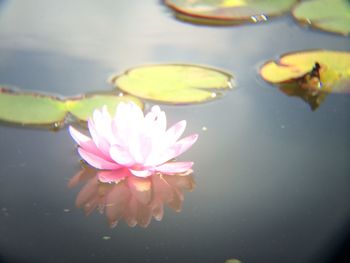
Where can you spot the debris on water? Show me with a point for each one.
(233, 260)
(5, 211)
(66, 210)
(106, 237)
(204, 128)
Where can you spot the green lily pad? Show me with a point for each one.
(31, 108)
(315, 70)
(328, 15)
(26, 108)
(228, 11)
(82, 108)
(174, 83)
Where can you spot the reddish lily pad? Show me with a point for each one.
(228, 11)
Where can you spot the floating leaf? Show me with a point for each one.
(328, 15)
(39, 109)
(82, 108)
(228, 11)
(31, 108)
(310, 75)
(174, 83)
(316, 70)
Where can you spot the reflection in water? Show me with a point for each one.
(308, 87)
(313, 97)
(134, 199)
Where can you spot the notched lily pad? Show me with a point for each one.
(36, 109)
(317, 70)
(174, 83)
(225, 12)
(31, 108)
(310, 75)
(328, 15)
(83, 107)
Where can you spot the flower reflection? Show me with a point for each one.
(134, 199)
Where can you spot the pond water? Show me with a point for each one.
(272, 176)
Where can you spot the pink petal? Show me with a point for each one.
(97, 161)
(140, 147)
(174, 167)
(156, 120)
(101, 143)
(143, 173)
(113, 176)
(84, 141)
(121, 155)
(177, 149)
(175, 132)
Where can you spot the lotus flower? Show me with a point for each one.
(132, 141)
(135, 200)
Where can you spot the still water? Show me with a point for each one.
(271, 175)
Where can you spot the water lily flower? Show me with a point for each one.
(134, 141)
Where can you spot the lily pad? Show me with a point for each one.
(174, 83)
(82, 108)
(315, 70)
(328, 15)
(228, 11)
(27, 108)
(31, 108)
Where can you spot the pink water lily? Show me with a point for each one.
(141, 143)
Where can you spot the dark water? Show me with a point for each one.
(272, 176)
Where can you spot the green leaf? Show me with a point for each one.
(174, 83)
(82, 108)
(31, 108)
(39, 109)
(221, 12)
(332, 75)
(328, 15)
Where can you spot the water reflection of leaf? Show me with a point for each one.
(323, 70)
(313, 98)
(310, 75)
(133, 199)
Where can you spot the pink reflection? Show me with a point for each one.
(134, 199)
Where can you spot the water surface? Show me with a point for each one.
(272, 176)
